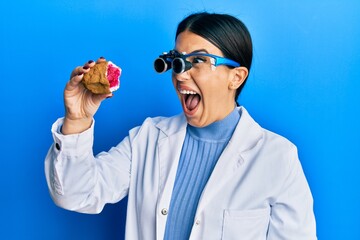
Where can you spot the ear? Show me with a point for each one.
(238, 77)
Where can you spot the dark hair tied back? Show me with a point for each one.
(226, 32)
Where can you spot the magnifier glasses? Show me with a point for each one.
(179, 63)
(172, 59)
(164, 61)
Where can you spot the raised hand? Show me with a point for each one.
(80, 104)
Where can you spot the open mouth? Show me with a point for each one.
(190, 99)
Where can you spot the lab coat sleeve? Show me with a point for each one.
(78, 180)
(292, 215)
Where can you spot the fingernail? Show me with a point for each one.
(80, 73)
(90, 61)
(85, 67)
(109, 96)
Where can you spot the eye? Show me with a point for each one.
(197, 59)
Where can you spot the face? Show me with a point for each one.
(206, 94)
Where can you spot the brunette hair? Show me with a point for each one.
(226, 32)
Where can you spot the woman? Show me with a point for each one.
(209, 173)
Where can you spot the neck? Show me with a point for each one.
(217, 131)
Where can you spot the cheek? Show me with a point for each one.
(213, 87)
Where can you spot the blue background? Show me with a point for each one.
(304, 85)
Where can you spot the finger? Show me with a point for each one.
(74, 82)
(89, 64)
(77, 76)
(101, 59)
(75, 72)
(79, 70)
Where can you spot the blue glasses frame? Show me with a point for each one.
(218, 60)
(180, 64)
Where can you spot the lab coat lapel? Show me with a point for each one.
(246, 135)
(172, 134)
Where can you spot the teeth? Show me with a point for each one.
(187, 92)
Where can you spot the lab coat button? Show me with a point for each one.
(164, 211)
(197, 222)
(57, 146)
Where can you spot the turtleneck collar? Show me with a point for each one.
(217, 131)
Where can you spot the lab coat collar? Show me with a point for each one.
(246, 134)
(172, 133)
(172, 125)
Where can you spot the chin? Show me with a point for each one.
(196, 122)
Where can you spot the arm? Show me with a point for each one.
(292, 215)
(78, 180)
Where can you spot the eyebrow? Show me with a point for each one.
(202, 50)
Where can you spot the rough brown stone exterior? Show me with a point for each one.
(95, 80)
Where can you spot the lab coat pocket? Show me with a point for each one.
(245, 225)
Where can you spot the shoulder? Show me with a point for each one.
(274, 156)
(275, 140)
(269, 147)
(267, 136)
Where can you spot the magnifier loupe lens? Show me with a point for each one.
(178, 65)
(160, 65)
(172, 60)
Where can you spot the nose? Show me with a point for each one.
(184, 76)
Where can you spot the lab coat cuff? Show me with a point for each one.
(73, 143)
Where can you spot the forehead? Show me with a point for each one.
(190, 42)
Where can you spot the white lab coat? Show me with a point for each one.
(257, 190)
